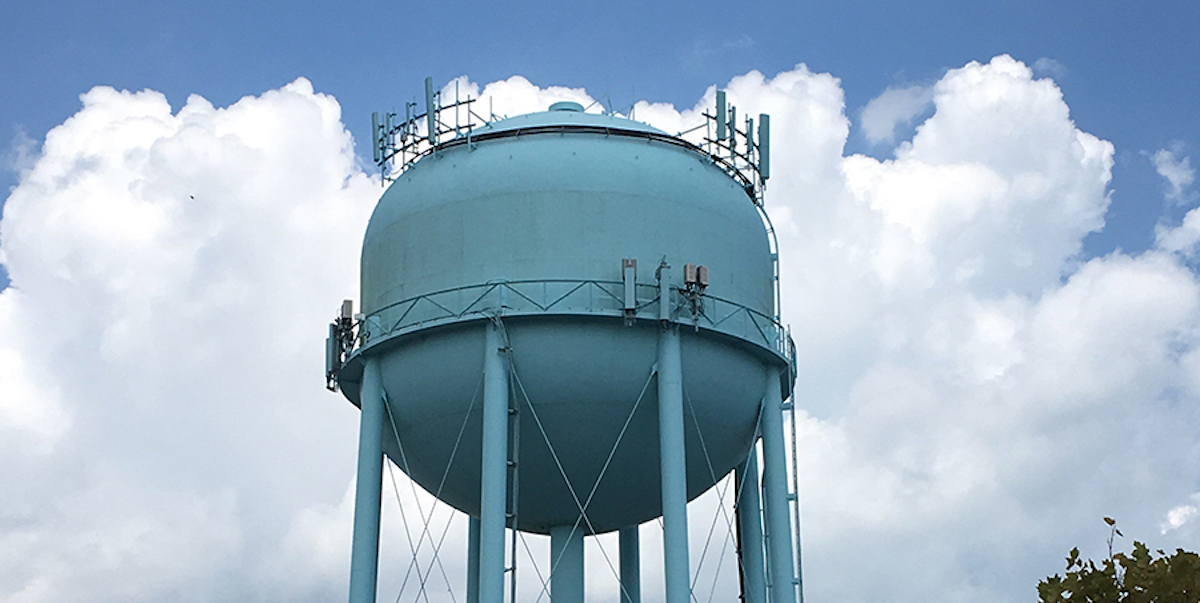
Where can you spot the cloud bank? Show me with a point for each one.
(158, 434)
(976, 395)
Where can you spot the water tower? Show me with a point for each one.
(569, 326)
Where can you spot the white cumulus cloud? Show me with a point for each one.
(1181, 515)
(1050, 67)
(895, 107)
(1177, 171)
(168, 269)
(1180, 175)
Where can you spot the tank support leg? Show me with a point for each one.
(631, 579)
(473, 560)
(779, 524)
(364, 555)
(749, 517)
(673, 465)
(566, 558)
(493, 477)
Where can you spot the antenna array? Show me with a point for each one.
(738, 149)
(397, 145)
(743, 155)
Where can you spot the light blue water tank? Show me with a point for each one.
(529, 221)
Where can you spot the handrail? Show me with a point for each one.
(571, 297)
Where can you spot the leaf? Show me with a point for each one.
(1110, 521)
(1136, 577)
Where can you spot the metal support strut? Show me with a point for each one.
(749, 517)
(364, 556)
(671, 453)
(631, 580)
(473, 560)
(778, 516)
(493, 477)
(566, 558)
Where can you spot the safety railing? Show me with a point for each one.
(572, 297)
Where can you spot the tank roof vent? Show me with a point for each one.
(567, 106)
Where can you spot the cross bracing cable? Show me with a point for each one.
(562, 471)
(545, 581)
(583, 507)
(720, 504)
(737, 499)
(437, 559)
(729, 536)
(416, 500)
(437, 496)
(403, 520)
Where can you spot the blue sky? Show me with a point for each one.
(991, 282)
(1126, 69)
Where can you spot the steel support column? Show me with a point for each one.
(473, 560)
(673, 465)
(778, 517)
(630, 561)
(749, 517)
(364, 555)
(493, 495)
(566, 559)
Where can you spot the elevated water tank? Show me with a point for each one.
(529, 223)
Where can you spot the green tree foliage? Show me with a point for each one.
(1139, 577)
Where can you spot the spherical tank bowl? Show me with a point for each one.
(526, 226)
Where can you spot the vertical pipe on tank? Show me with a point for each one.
(779, 524)
(566, 559)
(631, 578)
(493, 477)
(671, 454)
(473, 560)
(364, 555)
(749, 517)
